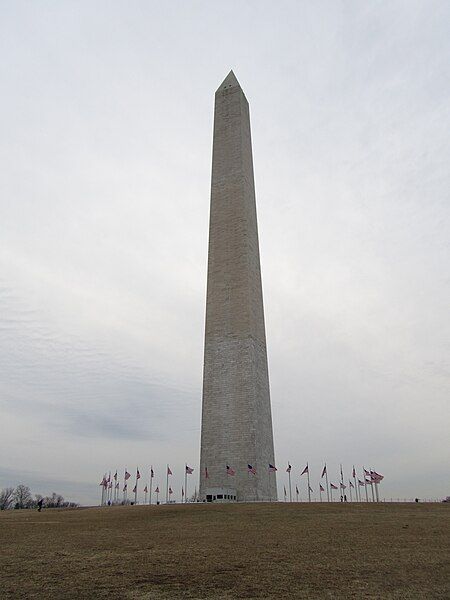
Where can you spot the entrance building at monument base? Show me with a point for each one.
(220, 494)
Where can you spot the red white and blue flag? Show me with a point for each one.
(189, 470)
(305, 470)
(169, 472)
(251, 469)
(321, 488)
(333, 487)
(127, 475)
(288, 470)
(324, 470)
(138, 475)
(361, 482)
(151, 472)
(272, 468)
(230, 471)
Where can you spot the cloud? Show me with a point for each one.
(106, 152)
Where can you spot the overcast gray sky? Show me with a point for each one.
(105, 148)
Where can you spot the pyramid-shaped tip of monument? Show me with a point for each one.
(229, 82)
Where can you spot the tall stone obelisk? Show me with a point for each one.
(236, 413)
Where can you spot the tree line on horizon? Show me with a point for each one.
(22, 498)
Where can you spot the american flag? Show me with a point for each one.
(272, 468)
(368, 480)
(157, 490)
(343, 486)
(288, 470)
(376, 477)
(284, 490)
(151, 472)
(115, 475)
(138, 475)
(361, 482)
(169, 472)
(230, 471)
(251, 469)
(354, 471)
(117, 485)
(127, 475)
(134, 489)
(305, 470)
(321, 488)
(351, 484)
(324, 470)
(182, 492)
(366, 472)
(206, 473)
(333, 487)
(125, 487)
(189, 470)
(170, 491)
(310, 489)
(296, 490)
(145, 489)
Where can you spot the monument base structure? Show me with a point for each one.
(237, 437)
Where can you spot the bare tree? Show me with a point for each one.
(6, 498)
(22, 496)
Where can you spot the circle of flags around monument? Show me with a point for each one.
(369, 481)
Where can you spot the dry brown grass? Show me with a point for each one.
(227, 551)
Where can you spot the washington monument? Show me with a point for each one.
(236, 414)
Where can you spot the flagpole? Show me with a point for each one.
(167, 485)
(365, 484)
(309, 487)
(328, 487)
(135, 489)
(376, 489)
(290, 491)
(151, 483)
(371, 485)
(356, 486)
(185, 483)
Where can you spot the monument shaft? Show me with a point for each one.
(236, 413)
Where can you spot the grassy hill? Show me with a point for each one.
(227, 551)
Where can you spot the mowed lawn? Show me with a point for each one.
(228, 551)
